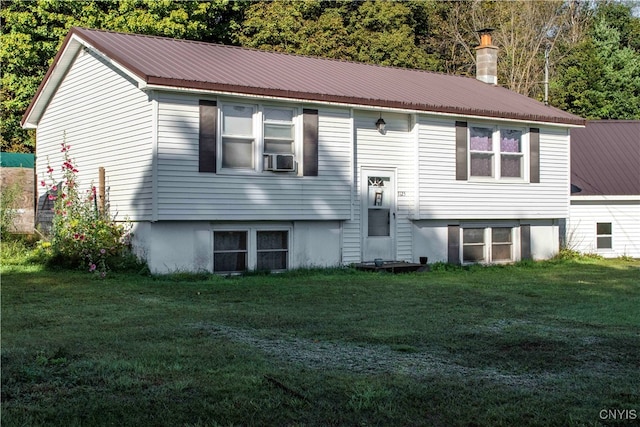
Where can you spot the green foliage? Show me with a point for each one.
(32, 32)
(83, 236)
(594, 74)
(384, 33)
(600, 78)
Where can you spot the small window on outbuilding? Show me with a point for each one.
(603, 235)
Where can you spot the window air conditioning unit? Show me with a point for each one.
(279, 162)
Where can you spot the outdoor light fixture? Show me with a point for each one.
(380, 124)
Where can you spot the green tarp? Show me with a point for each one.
(17, 160)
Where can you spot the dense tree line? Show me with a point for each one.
(593, 48)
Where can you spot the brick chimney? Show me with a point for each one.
(487, 58)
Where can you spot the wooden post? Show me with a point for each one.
(101, 191)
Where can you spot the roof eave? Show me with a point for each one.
(52, 78)
(170, 84)
(71, 46)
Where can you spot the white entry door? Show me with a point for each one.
(378, 215)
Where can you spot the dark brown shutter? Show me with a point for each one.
(310, 142)
(525, 241)
(208, 129)
(534, 154)
(461, 151)
(454, 244)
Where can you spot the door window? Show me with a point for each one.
(379, 203)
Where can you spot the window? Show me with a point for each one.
(473, 247)
(496, 153)
(379, 211)
(511, 153)
(501, 244)
(258, 138)
(278, 131)
(603, 235)
(481, 151)
(229, 251)
(254, 248)
(272, 250)
(237, 136)
(490, 244)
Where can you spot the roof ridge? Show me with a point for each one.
(274, 52)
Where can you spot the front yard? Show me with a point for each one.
(553, 343)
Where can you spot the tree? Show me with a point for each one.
(601, 78)
(32, 31)
(522, 32)
(377, 32)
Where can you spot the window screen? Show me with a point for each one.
(272, 249)
(229, 251)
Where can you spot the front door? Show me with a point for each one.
(378, 215)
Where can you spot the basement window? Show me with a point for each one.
(230, 251)
(487, 244)
(252, 248)
(272, 250)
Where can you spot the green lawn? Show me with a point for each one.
(551, 343)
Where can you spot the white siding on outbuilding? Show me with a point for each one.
(624, 216)
(184, 193)
(106, 120)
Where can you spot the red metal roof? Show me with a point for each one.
(207, 66)
(605, 158)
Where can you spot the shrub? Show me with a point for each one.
(82, 235)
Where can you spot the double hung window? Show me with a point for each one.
(257, 137)
(278, 130)
(603, 235)
(496, 153)
(238, 136)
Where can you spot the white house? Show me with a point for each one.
(605, 201)
(229, 159)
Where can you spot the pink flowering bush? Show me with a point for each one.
(81, 235)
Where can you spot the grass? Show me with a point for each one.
(551, 343)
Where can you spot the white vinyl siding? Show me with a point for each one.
(107, 122)
(623, 215)
(256, 196)
(443, 197)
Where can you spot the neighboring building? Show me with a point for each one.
(17, 189)
(605, 200)
(229, 159)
